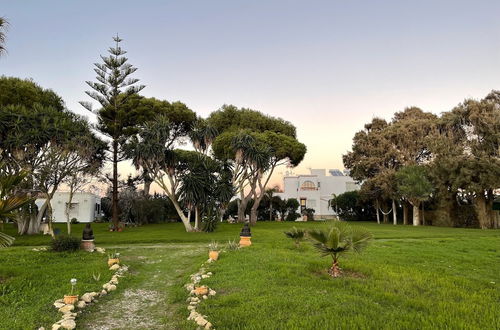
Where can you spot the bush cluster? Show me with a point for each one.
(65, 243)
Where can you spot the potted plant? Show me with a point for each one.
(113, 258)
(201, 290)
(71, 298)
(213, 250)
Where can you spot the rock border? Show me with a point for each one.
(68, 320)
(194, 298)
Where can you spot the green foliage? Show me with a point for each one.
(232, 245)
(65, 243)
(213, 246)
(413, 183)
(350, 206)
(28, 94)
(296, 235)
(10, 201)
(309, 213)
(229, 117)
(340, 239)
(209, 223)
(291, 206)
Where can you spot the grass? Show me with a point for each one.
(410, 277)
(31, 281)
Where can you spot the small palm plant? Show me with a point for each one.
(296, 234)
(339, 240)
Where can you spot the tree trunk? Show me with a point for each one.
(49, 216)
(270, 211)
(34, 226)
(405, 213)
(481, 210)
(253, 215)
(68, 208)
(416, 214)
(394, 213)
(423, 214)
(181, 215)
(243, 206)
(377, 208)
(114, 196)
(196, 218)
(335, 269)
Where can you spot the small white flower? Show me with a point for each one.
(73, 281)
(117, 255)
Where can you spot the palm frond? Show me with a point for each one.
(5, 240)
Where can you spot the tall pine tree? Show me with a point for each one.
(112, 90)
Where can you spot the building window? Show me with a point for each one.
(302, 204)
(308, 185)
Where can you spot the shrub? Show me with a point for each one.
(213, 246)
(309, 213)
(296, 234)
(74, 221)
(210, 223)
(292, 216)
(339, 240)
(65, 243)
(232, 245)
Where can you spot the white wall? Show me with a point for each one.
(325, 186)
(84, 206)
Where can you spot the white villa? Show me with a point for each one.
(316, 189)
(85, 206)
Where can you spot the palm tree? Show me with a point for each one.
(296, 234)
(202, 136)
(270, 195)
(338, 240)
(10, 202)
(3, 28)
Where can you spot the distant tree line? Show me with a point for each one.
(449, 164)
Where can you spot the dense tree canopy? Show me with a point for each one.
(256, 144)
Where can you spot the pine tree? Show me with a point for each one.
(3, 28)
(112, 90)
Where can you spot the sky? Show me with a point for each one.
(328, 67)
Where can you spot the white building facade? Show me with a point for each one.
(85, 206)
(316, 189)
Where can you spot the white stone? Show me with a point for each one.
(56, 326)
(114, 267)
(111, 287)
(205, 297)
(211, 292)
(87, 297)
(209, 273)
(205, 276)
(59, 304)
(59, 301)
(201, 321)
(68, 324)
(104, 292)
(81, 304)
(66, 308)
(190, 307)
(208, 325)
(93, 294)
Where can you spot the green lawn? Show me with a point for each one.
(410, 277)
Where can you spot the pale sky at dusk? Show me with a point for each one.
(327, 66)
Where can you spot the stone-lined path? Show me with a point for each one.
(142, 300)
